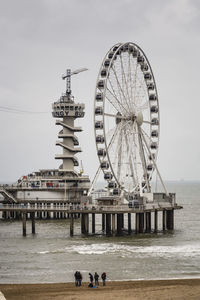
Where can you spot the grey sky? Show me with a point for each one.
(40, 39)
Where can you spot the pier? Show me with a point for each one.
(112, 217)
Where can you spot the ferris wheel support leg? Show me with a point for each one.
(129, 157)
(94, 180)
(143, 158)
(154, 163)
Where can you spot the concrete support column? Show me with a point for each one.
(86, 223)
(156, 221)
(103, 222)
(32, 215)
(54, 213)
(148, 221)
(41, 211)
(129, 223)
(82, 223)
(48, 212)
(170, 219)
(108, 224)
(113, 225)
(119, 223)
(71, 225)
(93, 223)
(137, 223)
(24, 224)
(164, 220)
(141, 222)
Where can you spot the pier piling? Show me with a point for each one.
(170, 219)
(108, 224)
(24, 223)
(113, 225)
(32, 215)
(141, 222)
(164, 220)
(148, 221)
(93, 223)
(71, 224)
(129, 223)
(103, 222)
(155, 221)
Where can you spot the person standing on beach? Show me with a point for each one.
(103, 277)
(76, 279)
(79, 278)
(96, 278)
(91, 278)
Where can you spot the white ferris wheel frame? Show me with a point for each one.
(143, 143)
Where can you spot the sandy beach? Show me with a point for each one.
(152, 289)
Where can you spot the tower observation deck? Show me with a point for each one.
(67, 111)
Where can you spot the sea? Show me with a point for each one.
(51, 255)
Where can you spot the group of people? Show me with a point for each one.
(94, 280)
(78, 278)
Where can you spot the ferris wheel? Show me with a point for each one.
(126, 119)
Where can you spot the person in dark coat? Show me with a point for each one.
(76, 279)
(79, 278)
(103, 277)
(91, 278)
(96, 278)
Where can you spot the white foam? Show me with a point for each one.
(127, 250)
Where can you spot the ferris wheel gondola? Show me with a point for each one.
(126, 119)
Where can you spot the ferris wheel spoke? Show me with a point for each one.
(132, 137)
(129, 157)
(139, 83)
(147, 122)
(113, 94)
(116, 149)
(130, 82)
(125, 83)
(116, 116)
(111, 102)
(119, 86)
(144, 106)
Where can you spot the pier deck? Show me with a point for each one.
(112, 216)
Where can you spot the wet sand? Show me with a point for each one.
(183, 289)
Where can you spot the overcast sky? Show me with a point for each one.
(39, 39)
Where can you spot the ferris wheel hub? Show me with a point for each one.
(139, 118)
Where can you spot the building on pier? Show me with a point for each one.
(65, 184)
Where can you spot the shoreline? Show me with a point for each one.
(132, 289)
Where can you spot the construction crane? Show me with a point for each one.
(68, 75)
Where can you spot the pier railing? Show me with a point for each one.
(79, 208)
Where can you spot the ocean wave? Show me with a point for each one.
(127, 250)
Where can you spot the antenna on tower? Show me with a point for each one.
(68, 75)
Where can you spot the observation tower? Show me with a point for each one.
(66, 110)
